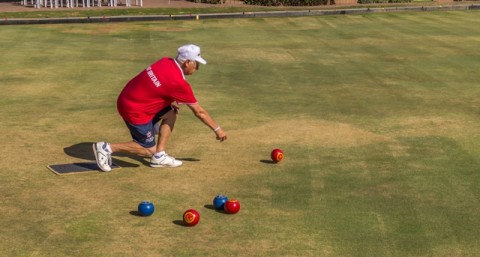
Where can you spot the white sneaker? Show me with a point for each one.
(164, 161)
(104, 158)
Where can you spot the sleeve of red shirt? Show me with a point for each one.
(184, 94)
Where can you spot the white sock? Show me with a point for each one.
(107, 147)
(159, 154)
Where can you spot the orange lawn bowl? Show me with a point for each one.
(232, 206)
(276, 155)
(191, 217)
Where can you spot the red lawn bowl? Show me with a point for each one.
(191, 217)
(232, 206)
(276, 155)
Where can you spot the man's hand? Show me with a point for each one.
(221, 135)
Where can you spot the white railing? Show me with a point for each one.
(78, 3)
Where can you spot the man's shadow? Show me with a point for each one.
(85, 151)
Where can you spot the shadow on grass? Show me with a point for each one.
(179, 223)
(267, 161)
(212, 207)
(188, 159)
(136, 213)
(85, 151)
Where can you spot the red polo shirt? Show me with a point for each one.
(153, 89)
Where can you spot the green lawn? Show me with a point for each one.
(378, 116)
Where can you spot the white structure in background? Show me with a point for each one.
(77, 3)
(128, 3)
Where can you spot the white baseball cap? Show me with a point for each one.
(190, 52)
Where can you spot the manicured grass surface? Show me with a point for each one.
(377, 115)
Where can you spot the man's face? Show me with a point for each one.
(190, 67)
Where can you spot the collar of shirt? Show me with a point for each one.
(180, 68)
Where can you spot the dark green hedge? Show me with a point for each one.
(208, 1)
(287, 2)
(272, 2)
(383, 1)
(298, 2)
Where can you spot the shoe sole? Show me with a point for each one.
(163, 166)
(94, 146)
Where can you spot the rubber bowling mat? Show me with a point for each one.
(76, 168)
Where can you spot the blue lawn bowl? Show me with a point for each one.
(146, 208)
(219, 201)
